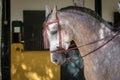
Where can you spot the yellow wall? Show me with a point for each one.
(108, 8)
(32, 65)
(17, 6)
(90, 4)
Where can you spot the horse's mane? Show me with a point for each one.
(83, 9)
(77, 9)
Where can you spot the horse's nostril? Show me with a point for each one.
(55, 60)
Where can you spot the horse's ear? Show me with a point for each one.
(47, 11)
(54, 13)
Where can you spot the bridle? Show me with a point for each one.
(59, 28)
(60, 41)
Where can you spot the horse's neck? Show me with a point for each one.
(83, 38)
(86, 29)
(85, 35)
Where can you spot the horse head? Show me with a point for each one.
(54, 29)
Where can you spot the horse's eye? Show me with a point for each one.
(53, 32)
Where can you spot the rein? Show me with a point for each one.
(60, 41)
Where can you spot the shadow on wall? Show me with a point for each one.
(33, 65)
